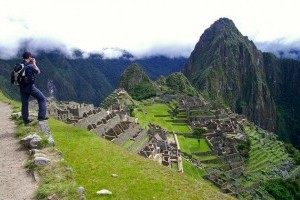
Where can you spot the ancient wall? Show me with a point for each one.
(128, 133)
(92, 119)
(106, 125)
(79, 110)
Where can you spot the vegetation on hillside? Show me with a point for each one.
(283, 189)
(286, 74)
(295, 153)
(144, 90)
(179, 84)
(137, 83)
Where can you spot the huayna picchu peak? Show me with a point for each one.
(226, 66)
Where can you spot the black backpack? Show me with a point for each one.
(18, 74)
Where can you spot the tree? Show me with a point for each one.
(199, 132)
(173, 108)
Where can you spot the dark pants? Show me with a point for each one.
(26, 92)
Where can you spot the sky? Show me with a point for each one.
(141, 27)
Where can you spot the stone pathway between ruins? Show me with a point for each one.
(15, 182)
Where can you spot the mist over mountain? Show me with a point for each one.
(281, 49)
(84, 78)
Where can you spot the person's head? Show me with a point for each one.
(27, 56)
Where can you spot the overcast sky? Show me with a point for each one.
(142, 27)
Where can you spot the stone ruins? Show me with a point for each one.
(162, 148)
(223, 131)
(114, 125)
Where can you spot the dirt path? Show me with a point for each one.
(15, 183)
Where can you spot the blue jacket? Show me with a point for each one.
(30, 73)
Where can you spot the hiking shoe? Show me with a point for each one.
(27, 121)
(43, 118)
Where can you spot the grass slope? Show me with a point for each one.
(191, 145)
(16, 106)
(158, 114)
(94, 159)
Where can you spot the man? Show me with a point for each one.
(27, 89)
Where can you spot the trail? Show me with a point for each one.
(15, 182)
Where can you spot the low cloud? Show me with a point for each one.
(281, 48)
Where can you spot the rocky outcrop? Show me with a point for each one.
(31, 141)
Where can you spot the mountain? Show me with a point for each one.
(137, 83)
(133, 76)
(179, 84)
(83, 79)
(283, 79)
(292, 53)
(226, 66)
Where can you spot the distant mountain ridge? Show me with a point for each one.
(226, 66)
(82, 79)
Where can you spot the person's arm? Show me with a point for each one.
(35, 67)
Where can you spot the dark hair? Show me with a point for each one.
(26, 55)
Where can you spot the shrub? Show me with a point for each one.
(143, 90)
(283, 189)
(295, 154)
(199, 131)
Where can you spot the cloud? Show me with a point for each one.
(142, 27)
(281, 48)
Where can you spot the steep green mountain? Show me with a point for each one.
(137, 83)
(132, 76)
(283, 78)
(83, 79)
(179, 84)
(226, 66)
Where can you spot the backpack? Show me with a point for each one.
(18, 74)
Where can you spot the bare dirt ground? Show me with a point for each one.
(15, 182)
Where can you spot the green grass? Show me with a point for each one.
(128, 143)
(193, 171)
(190, 145)
(207, 157)
(175, 166)
(138, 145)
(94, 159)
(55, 179)
(16, 106)
(158, 114)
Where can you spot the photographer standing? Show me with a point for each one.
(28, 89)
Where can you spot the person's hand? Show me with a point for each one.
(33, 61)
